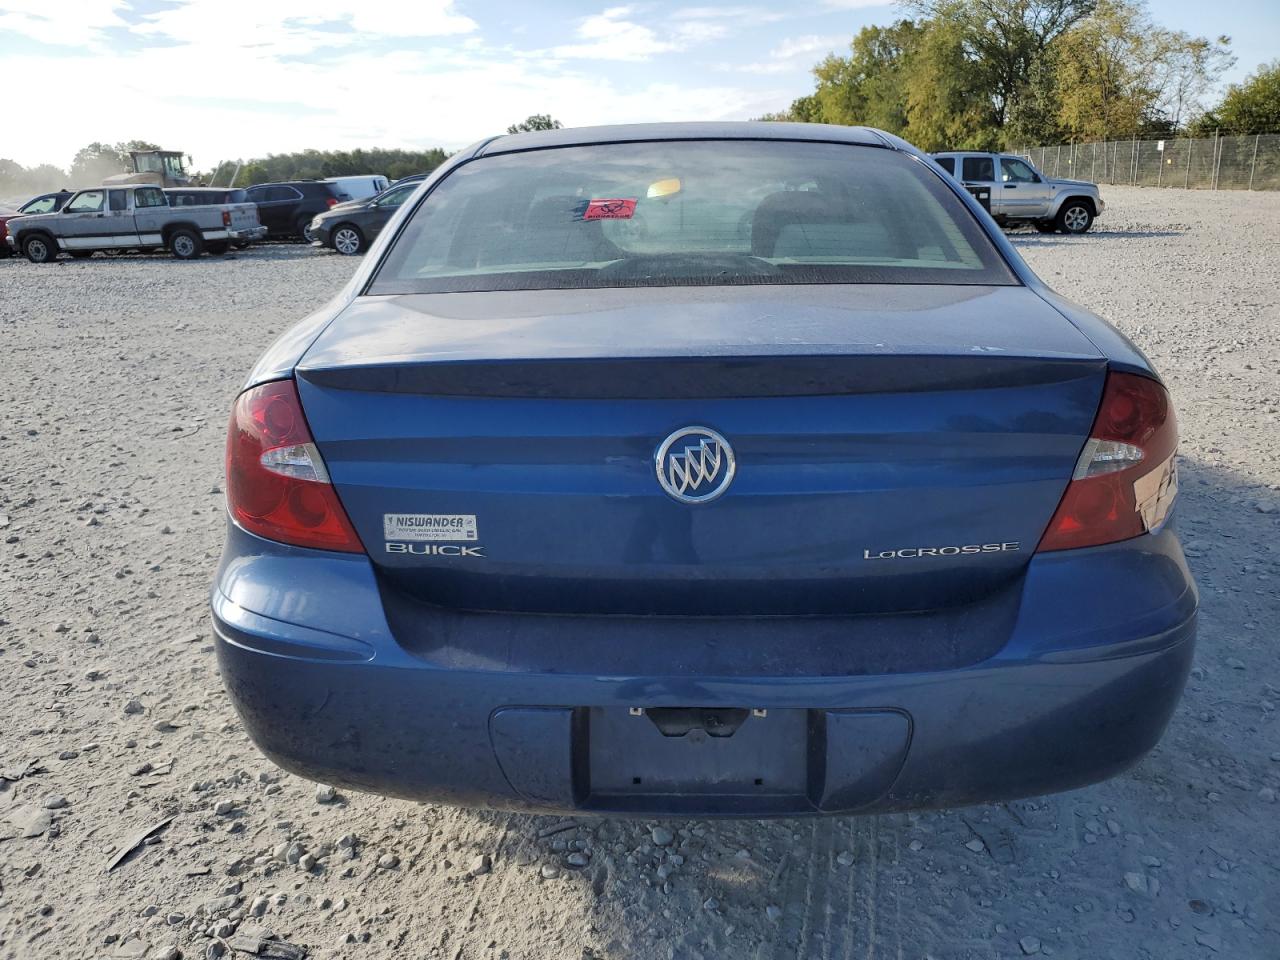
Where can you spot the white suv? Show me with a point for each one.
(1022, 194)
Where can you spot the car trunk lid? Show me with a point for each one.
(897, 447)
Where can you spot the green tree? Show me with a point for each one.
(981, 74)
(1006, 39)
(1102, 75)
(95, 162)
(1192, 67)
(802, 110)
(19, 183)
(1035, 117)
(1119, 74)
(948, 105)
(538, 121)
(318, 164)
(868, 86)
(1249, 107)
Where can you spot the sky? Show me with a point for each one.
(225, 79)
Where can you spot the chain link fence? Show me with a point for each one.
(1216, 163)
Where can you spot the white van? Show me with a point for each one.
(357, 188)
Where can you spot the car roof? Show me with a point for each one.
(732, 130)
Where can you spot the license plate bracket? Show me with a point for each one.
(679, 751)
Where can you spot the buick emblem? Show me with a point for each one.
(695, 465)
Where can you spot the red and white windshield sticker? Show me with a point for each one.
(615, 209)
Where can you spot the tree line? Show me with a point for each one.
(987, 74)
(319, 164)
(97, 161)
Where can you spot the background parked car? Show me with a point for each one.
(358, 188)
(131, 217)
(44, 203)
(1020, 194)
(5, 215)
(1023, 195)
(350, 227)
(412, 178)
(285, 209)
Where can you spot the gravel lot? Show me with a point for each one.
(117, 379)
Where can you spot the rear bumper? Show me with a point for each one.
(248, 233)
(1078, 693)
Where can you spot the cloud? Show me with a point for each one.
(241, 78)
(737, 14)
(62, 22)
(612, 35)
(794, 54)
(619, 33)
(297, 27)
(409, 98)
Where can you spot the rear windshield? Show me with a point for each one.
(717, 212)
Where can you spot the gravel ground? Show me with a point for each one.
(117, 379)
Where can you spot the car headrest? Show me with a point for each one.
(791, 208)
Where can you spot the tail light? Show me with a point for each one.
(226, 218)
(1125, 481)
(277, 484)
(332, 201)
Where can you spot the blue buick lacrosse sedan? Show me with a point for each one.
(707, 469)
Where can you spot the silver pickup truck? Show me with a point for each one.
(132, 216)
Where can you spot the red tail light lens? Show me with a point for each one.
(277, 484)
(332, 201)
(226, 218)
(1125, 480)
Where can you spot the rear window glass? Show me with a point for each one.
(716, 212)
(946, 163)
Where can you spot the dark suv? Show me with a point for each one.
(285, 209)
